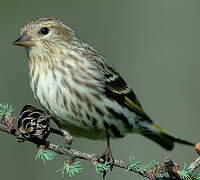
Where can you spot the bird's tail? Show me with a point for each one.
(158, 135)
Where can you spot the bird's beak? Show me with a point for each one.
(24, 41)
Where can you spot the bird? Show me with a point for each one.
(81, 89)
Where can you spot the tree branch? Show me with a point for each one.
(168, 171)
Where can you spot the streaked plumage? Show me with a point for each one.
(81, 89)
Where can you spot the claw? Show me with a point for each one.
(68, 138)
(108, 158)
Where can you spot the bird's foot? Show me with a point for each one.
(107, 158)
(68, 138)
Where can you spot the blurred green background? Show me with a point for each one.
(153, 43)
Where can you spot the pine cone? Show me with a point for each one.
(33, 123)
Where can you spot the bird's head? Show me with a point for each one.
(44, 32)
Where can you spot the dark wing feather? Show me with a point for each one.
(117, 89)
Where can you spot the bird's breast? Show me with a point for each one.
(67, 97)
(74, 96)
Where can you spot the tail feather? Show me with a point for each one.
(158, 135)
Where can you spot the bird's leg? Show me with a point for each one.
(107, 155)
(68, 138)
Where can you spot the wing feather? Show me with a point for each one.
(118, 89)
(114, 85)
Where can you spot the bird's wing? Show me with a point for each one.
(115, 86)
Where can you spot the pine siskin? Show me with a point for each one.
(81, 89)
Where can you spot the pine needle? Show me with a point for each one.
(71, 169)
(5, 110)
(102, 168)
(140, 166)
(45, 155)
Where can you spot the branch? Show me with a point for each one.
(151, 170)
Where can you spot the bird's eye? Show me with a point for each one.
(44, 31)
